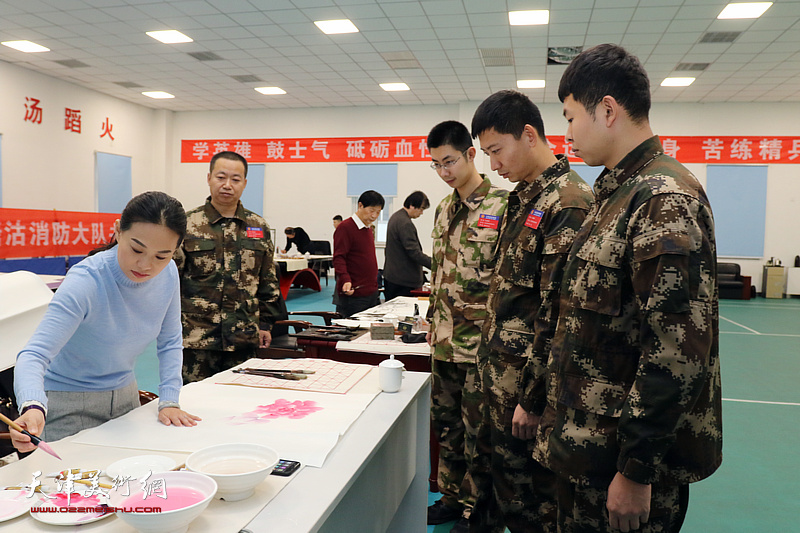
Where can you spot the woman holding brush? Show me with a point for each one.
(76, 371)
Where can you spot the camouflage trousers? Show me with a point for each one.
(200, 364)
(522, 496)
(455, 415)
(582, 509)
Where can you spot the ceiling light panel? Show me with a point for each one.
(529, 18)
(747, 10)
(677, 82)
(270, 90)
(530, 84)
(333, 27)
(169, 36)
(25, 46)
(158, 95)
(392, 87)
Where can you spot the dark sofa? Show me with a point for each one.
(732, 284)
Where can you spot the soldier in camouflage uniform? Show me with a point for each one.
(465, 233)
(635, 413)
(229, 290)
(544, 212)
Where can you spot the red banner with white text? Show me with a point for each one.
(49, 233)
(695, 149)
(317, 150)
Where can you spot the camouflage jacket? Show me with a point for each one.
(635, 355)
(228, 285)
(540, 224)
(464, 241)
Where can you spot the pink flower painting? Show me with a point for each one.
(280, 409)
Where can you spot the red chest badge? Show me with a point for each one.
(534, 218)
(489, 221)
(255, 233)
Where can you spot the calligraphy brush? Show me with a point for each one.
(270, 374)
(34, 439)
(280, 370)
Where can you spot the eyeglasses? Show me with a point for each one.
(447, 165)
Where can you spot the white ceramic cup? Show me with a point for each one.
(390, 374)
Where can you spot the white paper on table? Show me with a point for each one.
(329, 376)
(308, 439)
(364, 343)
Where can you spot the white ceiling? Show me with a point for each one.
(276, 41)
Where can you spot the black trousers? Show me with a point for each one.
(350, 305)
(392, 290)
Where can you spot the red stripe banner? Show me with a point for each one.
(706, 149)
(49, 233)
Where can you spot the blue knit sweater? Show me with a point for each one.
(97, 324)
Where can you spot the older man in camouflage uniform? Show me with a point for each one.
(544, 212)
(465, 233)
(635, 414)
(229, 290)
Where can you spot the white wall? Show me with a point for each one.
(45, 167)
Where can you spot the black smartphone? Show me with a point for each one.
(285, 467)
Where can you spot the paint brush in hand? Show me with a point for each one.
(34, 439)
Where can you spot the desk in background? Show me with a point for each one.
(295, 271)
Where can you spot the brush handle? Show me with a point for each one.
(34, 439)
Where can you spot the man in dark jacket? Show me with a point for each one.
(404, 259)
(299, 238)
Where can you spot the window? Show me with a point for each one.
(113, 182)
(738, 196)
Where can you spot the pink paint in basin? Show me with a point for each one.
(177, 498)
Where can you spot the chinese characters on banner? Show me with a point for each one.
(317, 150)
(716, 150)
(50, 233)
(710, 149)
(72, 118)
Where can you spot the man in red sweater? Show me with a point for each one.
(354, 257)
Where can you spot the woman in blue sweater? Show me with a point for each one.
(76, 371)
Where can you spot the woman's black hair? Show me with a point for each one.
(154, 207)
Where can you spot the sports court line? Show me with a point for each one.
(740, 325)
(759, 401)
(759, 334)
(787, 307)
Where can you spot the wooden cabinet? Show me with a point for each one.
(773, 282)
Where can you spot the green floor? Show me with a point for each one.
(757, 488)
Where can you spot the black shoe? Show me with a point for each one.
(439, 513)
(461, 526)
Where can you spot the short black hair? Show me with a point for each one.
(233, 156)
(450, 133)
(608, 69)
(417, 199)
(370, 198)
(507, 112)
(337, 217)
(288, 231)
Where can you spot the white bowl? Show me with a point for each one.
(236, 467)
(187, 495)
